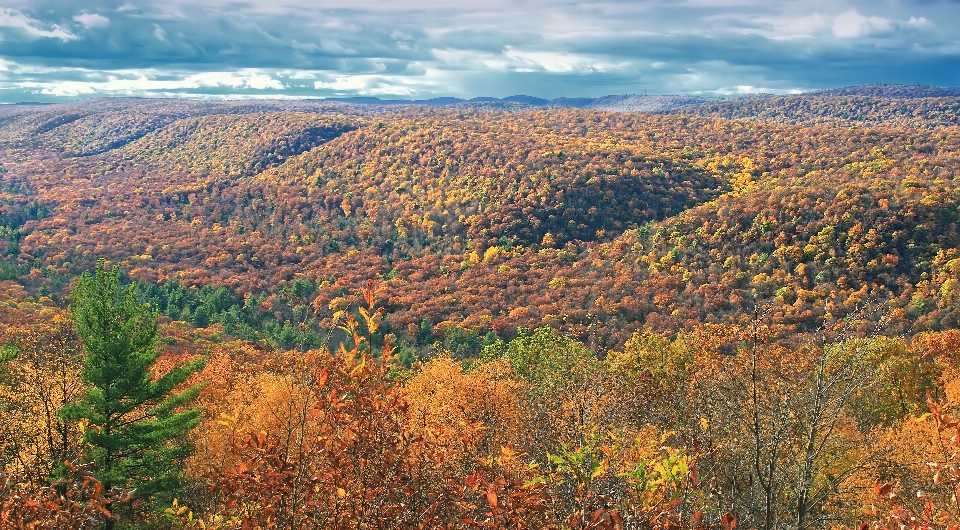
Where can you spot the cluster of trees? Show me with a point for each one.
(720, 427)
(481, 180)
(87, 387)
(230, 145)
(891, 91)
(92, 127)
(18, 205)
(484, 221)
(285, 319)
(882, 107)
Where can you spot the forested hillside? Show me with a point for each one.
(485, 221)
(838, 109)
(892, 91)
(550, 317)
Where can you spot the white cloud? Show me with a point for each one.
(371, 85)
(836, 20)
(244, 79)
(545, 48)
(527, 61)
(919, 23)
(334, 47)
(11, 18)
(304, 47)
(345, 84)
(159, 34)
(263, 82)
(852, 24)
(805, 26)
(149, 82)
(92, 20)
(430, 83)
(67, 89)
(549, 61)
(302, 75)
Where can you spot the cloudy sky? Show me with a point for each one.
(54, 50)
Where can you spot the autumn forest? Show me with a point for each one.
(314, 314)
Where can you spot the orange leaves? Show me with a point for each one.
(369, 294)
(79, 501)
(322, 377)
(506, 493)
(935, 503)
(882, 490)
(346, 458)
(356, 370)
(492, 498)
(44, 376)
(371, 317)
(471, 412)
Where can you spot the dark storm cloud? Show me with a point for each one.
(424, 48)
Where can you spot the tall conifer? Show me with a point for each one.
(135, 422)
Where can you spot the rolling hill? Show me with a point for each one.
(598, 223)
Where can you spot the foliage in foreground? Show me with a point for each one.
(718, 428)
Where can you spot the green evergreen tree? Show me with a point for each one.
(135, 423)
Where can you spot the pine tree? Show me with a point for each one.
(135, 423)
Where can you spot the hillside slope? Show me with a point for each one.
(597, 223)
(891, 91)
(836, 109)
(91, 127)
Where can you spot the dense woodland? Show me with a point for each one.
(734, 314)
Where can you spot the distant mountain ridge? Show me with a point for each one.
(91, 126)
(903, 106)
(619, 103)
(662, 103)
(648, 104)
(891, 91)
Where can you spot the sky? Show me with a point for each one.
(59, 50)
